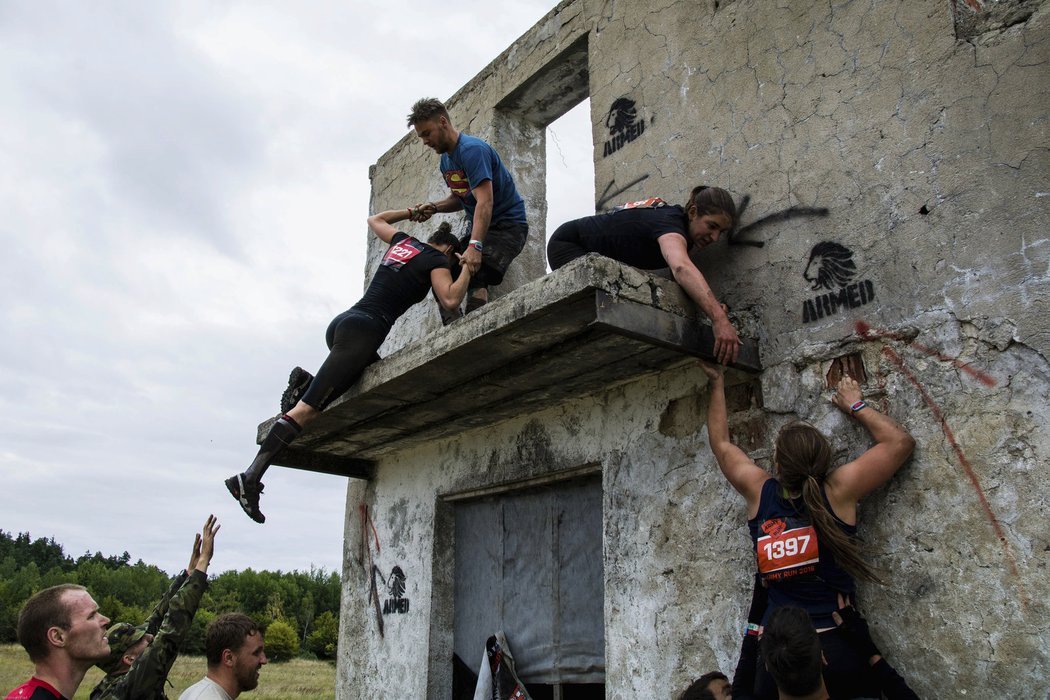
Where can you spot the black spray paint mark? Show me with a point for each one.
(624, 125)
(830, 266)
(776, 217)
(607, 195)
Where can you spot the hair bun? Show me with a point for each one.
(444, 227)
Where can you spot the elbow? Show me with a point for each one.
(448, 301)
(906, 445)
(719, 448)
(681, 271)
(690, 279)
(902, 447)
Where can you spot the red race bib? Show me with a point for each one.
(781, 549)
(400, 253)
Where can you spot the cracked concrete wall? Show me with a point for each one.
(927, 141)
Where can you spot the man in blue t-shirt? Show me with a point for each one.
(481, 186)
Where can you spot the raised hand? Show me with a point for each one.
(211, 527)
(847, 393)
(195, 555)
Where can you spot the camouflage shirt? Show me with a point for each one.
(145, 680)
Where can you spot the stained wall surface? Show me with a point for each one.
(896, 162)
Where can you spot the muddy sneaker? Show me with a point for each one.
(298, 382)
(247, 494)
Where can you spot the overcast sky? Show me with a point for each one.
(183, 188)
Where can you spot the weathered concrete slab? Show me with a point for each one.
(591, 325)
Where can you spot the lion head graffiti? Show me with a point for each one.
(830, 266)
(621, 115)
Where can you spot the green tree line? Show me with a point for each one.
(300, 610)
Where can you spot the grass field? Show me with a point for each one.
(300, 679)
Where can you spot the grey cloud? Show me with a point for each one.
(177, 135)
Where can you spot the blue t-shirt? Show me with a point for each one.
(472, 162)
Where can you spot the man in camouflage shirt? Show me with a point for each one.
(141, 657)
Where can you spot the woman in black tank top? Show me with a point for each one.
(826, 498)
(410, 269)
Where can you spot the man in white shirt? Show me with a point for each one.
(236, 651)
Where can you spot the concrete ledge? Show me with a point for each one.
(587, 327)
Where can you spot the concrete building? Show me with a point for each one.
(541, 467)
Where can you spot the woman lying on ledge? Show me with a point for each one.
(653, 234)
(408, 271)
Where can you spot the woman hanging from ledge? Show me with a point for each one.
(803, 520)
(653, 234)
(408, 271)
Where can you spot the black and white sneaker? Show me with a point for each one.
(247, 495)
(298, 382)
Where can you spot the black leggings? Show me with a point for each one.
(564, 245)
(353, 338)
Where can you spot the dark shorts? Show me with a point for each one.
(503, 242)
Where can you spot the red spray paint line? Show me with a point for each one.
(967, 467)
(865, 331)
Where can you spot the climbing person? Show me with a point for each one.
(652, 234)
(803, 520)
(409, 269)
(484, 189)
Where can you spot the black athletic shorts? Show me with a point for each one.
(503, 242)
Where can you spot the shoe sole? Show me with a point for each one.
(298, 381)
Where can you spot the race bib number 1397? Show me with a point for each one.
(787, 549)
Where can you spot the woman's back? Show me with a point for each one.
(796, 569)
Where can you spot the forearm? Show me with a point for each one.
(183, 605)
(453, 294)
(696, 286)
(744, 676)
(482, 219)
(717, 416)
(449, 204)
(391, 216)
(147, 675)
(155, 618)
